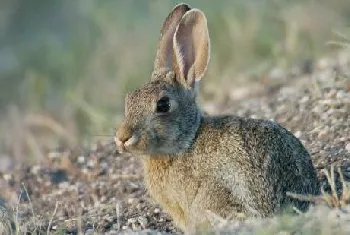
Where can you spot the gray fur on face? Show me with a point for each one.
(153, 128)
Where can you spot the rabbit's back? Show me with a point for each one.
(258, 160)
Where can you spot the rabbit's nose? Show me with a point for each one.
(125, 137)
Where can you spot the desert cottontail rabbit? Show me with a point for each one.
(195, 163)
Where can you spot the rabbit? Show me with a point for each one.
(194, 163)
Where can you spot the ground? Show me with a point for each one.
(95, 189)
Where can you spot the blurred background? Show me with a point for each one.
(65, 66)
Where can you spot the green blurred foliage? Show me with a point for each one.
(73, 61)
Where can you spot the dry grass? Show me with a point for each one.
(332, 199)
(330, 214)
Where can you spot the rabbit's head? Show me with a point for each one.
(162, 117)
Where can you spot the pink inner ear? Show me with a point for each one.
(187, 56)
(202, 52)
(191, 46)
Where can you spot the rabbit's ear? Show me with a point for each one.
(165, 53)
(191, 47)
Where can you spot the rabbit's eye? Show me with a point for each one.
(163, 105)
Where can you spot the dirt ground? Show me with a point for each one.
(95, 189)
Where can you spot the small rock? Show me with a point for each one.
(331, 94)
(298, 134)
(131, 200)
(156, 210)
(131, 221)
(54, 155)
(89, 232)
(330, 111)
(304, 99)
(341, 95)
(90, 163)
(104, 165)
(347, 147)
(143, 221)
(103, 199)
(112, 232)
(35, 169)
(323, 63)
(7, 177)
(135, 227)
(81, 159)
(64, 185)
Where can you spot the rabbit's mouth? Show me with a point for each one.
(126, 145)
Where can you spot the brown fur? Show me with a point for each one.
(194, 163)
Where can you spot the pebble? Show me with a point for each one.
(323, 63)
(112, 232)
(90, 163)
(84, 170)
(35, 169)
(81, 159)
(156, 210)
(64, 185)
(330, 111)
(341, 95)
(135, 227)
(132, 220)
(304, 99)
(7, 177)
(298, 134)
(89, 232)
(54, 155)
(347, 147)
(131, 200)
(105, 166)
(331, 94)
(143, 221)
